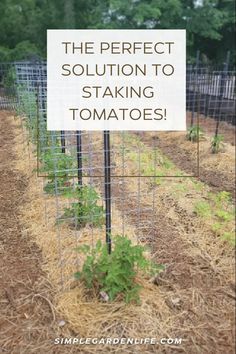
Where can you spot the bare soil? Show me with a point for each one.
(209, 125)
(216, 170)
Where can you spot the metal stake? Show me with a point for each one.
(63, 142)
(196, 88)
(107, 173)
(222, 86)
(79, 155)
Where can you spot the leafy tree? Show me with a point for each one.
(209, 23)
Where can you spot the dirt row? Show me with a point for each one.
(208, 126)
(216, 170)
(26, 310)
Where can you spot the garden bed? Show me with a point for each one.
(192, 299)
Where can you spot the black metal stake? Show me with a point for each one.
(195, 87)
(107, 173)
(63, 142)
(207, 95)
(37, 127)
(79, 155)
(222, 87)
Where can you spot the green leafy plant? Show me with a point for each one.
(57, 166)
(224, 215)
(222, 197)
(180, 188)
(9, 81)
(229, 237)
(86, 209)
(217, 143)
(167, 163)
(197, 185)
(115, 273)
(194, 133)
(216, 227)
(28, 107)
(151, 171)
(202, 209)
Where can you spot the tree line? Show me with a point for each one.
(209, 23)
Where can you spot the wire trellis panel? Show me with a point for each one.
(87, 175)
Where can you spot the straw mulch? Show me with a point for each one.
(193, 298)
(86, 317)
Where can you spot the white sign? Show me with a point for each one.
(116, 80)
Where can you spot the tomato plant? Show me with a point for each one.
(115, 273)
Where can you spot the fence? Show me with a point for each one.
(211, 92)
